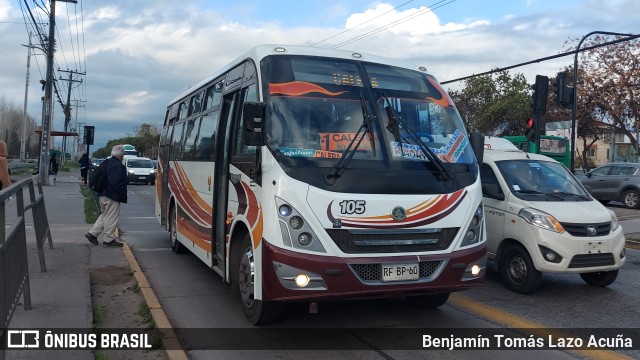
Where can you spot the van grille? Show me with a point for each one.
(581, 230)
(591, 260)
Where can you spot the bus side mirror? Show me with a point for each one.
(253, 119)
(477, 144)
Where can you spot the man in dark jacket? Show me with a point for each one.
(110, 199)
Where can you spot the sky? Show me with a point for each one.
(138, 55)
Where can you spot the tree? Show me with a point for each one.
(146, 142)
(496, 104)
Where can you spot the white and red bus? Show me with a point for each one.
(311, 174)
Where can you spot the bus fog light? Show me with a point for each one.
(296, 222)
(304, 239)
(302, 280)
(475, 270)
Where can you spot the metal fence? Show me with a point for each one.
(14, 269)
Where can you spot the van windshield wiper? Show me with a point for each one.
(364, 130)
(392, 126)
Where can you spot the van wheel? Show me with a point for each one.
(630, 199)
(600, 278)
(176, 245)
(428, 301)
(517, 270)
(257, 311)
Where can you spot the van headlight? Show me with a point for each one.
(296, 232)
(614, 220)
(541, 219)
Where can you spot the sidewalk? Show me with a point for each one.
(61, 296)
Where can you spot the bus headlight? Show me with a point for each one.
(473, 235)
(296, 232)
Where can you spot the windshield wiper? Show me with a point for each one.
(367, 123)
(569, 193)
(392, 126)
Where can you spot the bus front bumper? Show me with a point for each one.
(335, 278)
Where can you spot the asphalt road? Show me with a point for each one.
(194, 297)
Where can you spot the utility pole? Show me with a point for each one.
(67, 110)
(23, 135)
(43, 168)
(77, 140)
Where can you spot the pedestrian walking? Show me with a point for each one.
(114, 194)
(85, 163)
(5, 181)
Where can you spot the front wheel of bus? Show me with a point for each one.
(176, 246)
(257, 311)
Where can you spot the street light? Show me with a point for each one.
(574, 131)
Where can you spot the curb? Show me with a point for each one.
(169, 338)
(632, 245)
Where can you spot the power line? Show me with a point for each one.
(572, 52)
(346, 30)
(394, 23)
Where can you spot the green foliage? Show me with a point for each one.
(496, 104)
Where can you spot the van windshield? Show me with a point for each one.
(537, 180)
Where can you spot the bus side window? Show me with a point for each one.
(206, 139)
(190, 136)
(177, 142)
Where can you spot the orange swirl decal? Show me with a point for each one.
(422, 214)
(297, 88)
(444, 100)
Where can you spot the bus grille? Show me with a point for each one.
(373, 272)
(581, 230)
(591, 260)
(390, 241)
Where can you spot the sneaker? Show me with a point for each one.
(92, 239)
(112, 243)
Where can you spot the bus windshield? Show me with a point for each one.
(316, 107)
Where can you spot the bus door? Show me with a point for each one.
(221, 180)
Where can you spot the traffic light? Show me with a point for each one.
(540, 93)
(564, 94)
(88, 135)
(530, 133)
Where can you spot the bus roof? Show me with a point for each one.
(261, 51)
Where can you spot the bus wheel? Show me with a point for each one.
(517, 270)
(257, 311)
(428, 301)
(176, 246)
(600, 278)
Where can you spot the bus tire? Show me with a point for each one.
(600, 278)
(517, 270)
(257, 311)
(428, 301)
(176, 246)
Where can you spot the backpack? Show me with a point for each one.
(98, 181)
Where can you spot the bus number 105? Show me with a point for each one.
(352, 206)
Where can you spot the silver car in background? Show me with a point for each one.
(614, 182)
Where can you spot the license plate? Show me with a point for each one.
(141, 177)
(400, 272)
(594, 247)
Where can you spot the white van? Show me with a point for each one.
(539, 218)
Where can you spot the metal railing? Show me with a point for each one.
(14, 269)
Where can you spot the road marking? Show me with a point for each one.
(509, 320)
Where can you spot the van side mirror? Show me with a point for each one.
(253, 118)
(492, 191)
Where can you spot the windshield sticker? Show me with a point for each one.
(295, 152)
(340, 141)
(409, 151)
(298, 88)
(452, 151)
